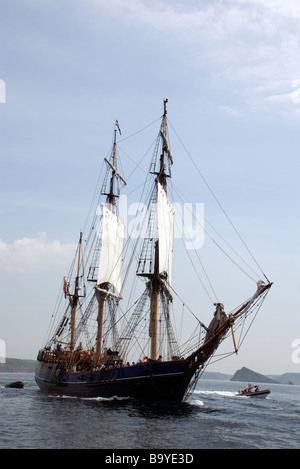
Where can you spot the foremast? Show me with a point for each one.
(109, 280)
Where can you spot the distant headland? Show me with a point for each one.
(249, 376)
(17, 365)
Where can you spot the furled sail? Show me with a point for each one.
(165, 223)
(110, 263)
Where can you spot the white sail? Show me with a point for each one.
(165, 223)
(110, 263)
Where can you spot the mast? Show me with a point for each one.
(161, 176)
(111, 196)
(155, 278)
(110, 262)
(154, 305)
(74, 299)
(101, 298)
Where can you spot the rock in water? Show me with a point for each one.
(15, 384)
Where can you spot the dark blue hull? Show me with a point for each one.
(159, 381)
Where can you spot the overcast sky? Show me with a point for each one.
(231, 72)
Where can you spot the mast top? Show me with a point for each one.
(162, 175)
(111, 195)
(165, 106)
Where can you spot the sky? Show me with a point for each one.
(231, 73)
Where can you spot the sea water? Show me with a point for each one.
(214, 417)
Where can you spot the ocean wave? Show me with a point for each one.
(196, 402)
(96, 398)
(219, 393)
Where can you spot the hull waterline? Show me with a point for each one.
(167, 381)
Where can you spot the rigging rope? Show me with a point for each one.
(141, 130)
(178, 191)
(218, 202)
(201, 263)
(217, 244)
(137, 165)
(201, 324)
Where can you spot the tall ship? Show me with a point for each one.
(107, 340)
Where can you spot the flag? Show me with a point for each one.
(117, 124)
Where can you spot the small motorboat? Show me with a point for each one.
(15, 384)
(250, 391)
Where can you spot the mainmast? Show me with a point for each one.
(161, 175)
(156, 281)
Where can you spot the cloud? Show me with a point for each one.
(231, 111)
(252, 44)
(28, 254)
